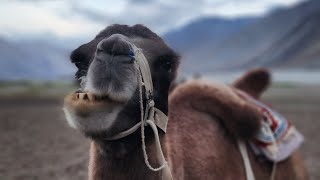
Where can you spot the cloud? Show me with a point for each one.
(141, 1)
(163, 15)
(234, 8)
(27, 18)
(72, 18)
(158, 15)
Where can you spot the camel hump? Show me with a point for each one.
(254, 82)
(240, 118)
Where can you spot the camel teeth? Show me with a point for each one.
(84, 96)
(91, 97)
(81, 96)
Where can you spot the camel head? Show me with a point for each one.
(108, 102)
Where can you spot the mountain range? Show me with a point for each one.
(286, 38)
(30, 59)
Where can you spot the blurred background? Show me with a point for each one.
(217, 39)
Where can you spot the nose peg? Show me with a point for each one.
(131, 55)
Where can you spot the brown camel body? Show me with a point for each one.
(210, 151)
(197, 144)
(205, 120)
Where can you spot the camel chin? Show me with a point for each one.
(87, 112)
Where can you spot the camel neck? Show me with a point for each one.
(121, 160)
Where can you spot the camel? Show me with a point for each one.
(205, 119)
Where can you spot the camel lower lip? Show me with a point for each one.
(85, 103)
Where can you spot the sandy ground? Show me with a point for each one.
(36, 142)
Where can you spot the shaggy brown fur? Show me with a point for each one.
(205, 120)
(210, 151)
(102, 166)
(241, 119)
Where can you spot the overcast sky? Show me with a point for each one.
(72, 18)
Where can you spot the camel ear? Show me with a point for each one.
(254, 82)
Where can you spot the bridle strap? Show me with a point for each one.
(144, 68)
(160, 119)
(151, 112)
(125, 133)
(150, 116)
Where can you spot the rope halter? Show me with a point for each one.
(151, 116)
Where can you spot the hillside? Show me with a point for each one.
(205, 30)
(300, 47)
(285, 38)
(196, 40)
(37, 60)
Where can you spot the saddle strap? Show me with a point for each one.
(246, 160)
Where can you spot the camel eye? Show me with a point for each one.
(166, 65)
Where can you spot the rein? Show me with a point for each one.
(152, 116)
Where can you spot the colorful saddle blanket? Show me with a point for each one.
(277, 138)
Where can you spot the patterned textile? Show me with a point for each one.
(277, 138)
